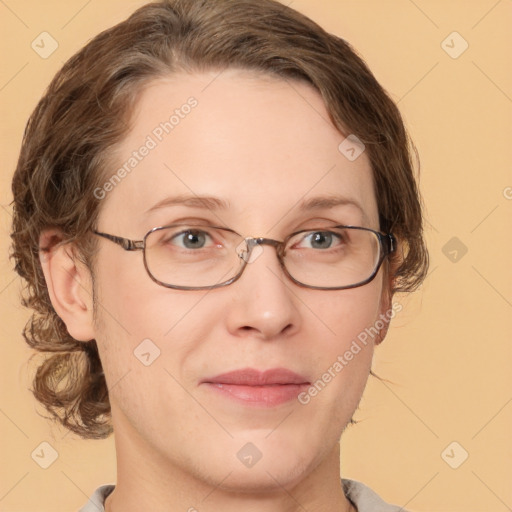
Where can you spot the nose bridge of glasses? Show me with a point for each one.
(258, 242)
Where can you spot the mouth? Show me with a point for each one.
(251, 387)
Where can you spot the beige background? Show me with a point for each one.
(448, 354)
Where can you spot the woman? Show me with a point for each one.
(214, 205)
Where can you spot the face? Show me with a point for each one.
(263, 147)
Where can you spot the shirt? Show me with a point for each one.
(362, 497)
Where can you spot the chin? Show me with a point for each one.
(267, 477)
(259, 466)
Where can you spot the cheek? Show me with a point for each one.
(342, 354)
(149, 332)
(347, 315)
(135, 305)
(146, 339)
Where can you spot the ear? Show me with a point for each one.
(69, 284)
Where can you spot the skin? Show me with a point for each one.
(263, 145)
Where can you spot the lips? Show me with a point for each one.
(251, 377)
(252, 387)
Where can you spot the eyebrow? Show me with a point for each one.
(216, 204)
(205, 202)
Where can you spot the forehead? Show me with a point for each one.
(263, 148)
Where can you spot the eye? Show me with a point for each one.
(321, 239)
(190, 239)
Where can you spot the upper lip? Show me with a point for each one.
(253, 377)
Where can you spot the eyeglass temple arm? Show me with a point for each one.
(125, 243)
(390, 243)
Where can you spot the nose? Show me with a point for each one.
(264, 303)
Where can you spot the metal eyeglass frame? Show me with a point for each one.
(387, 243)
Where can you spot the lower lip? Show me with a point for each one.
(259, 396)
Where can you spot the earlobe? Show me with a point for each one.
(69, 284)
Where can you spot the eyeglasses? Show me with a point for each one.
(198, 257)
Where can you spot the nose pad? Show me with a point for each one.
(249, 250)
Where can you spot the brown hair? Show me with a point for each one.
(86, 111)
